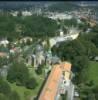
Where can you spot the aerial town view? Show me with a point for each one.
(48, 50)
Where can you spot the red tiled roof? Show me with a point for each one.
(50, 89)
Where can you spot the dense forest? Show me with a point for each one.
(34, 26)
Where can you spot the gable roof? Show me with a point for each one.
(50, 89)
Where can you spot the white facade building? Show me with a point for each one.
(72, 34)
(26, 13)
(60, 16)
(4, 42)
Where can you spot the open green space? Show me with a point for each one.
(93, 72)
(25, 93)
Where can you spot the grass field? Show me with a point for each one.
(24, 93)
(93, 72)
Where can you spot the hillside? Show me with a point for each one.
(63, 6)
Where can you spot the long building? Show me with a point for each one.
(59, 73)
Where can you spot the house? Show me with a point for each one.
(52, 60)
(96, 58)
(59, 76)
(3, 54)
(4, 42)
(37, 58)
(15, 50)
(26, 13)
(39, 52)
(26, 39)
(14, 13)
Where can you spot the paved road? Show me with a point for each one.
(70, 94)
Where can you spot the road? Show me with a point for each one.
(70, 93)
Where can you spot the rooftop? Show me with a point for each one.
(3, 54)
(50, 89)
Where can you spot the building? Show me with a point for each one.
(26, 13)
(38, 56)
(96, 58)
(4, 42)
(3, 54)
(72, 33)
(58, 78)
(26, 39)
(14, 13)
(15, 50)
(60, 16)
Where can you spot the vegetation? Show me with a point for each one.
(31, 83)
(88, 89)
(78, 52)
(6, 93)
(92, 72)
(63, 6)
(39, 70)
(35, 26)
(70, 22)
(18, 73)
(24, 80)
(95, 40)
(3, 61)
(63, 96)
(39, 26)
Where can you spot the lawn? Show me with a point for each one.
(26, 94)
(22, 91)
(93, 72)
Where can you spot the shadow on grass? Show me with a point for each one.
(41, 88)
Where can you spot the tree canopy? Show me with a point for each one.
(18, 73)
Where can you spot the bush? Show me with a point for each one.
(31, 83)
(4, 87)
(39, 70)
(14, 96)
(3, 97)
(18, 73)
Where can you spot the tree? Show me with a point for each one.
(95, 91)
(14, 96)
(39, 70)
(70, 22)
(18, 73)
(95, 40)
(4, 87)
(63, 96)
(75, 52)
(95, 29)
(31, 83)
(19, 14)
(91, 49)
(3, 61)
(3, 97)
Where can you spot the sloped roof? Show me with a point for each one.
(3, 54)
(50, 89)
(66, 66)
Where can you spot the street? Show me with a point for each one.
(70, 92)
